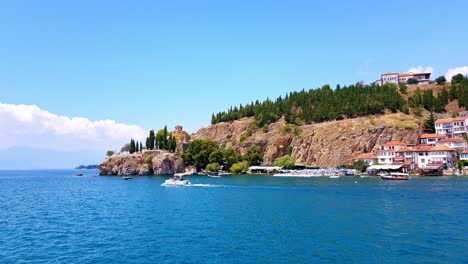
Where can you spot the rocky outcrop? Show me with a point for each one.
(328, 144)
(151, 162)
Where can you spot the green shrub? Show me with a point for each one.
(286, 162)
(212, 167)
(240, 167)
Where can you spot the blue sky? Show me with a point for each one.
(152, 63)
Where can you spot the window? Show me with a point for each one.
(423, 160)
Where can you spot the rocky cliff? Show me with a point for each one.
(151, 162)
(328, 144)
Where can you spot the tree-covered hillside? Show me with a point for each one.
(323, 104)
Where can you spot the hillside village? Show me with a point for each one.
(433, 154)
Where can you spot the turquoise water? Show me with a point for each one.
(55, 217)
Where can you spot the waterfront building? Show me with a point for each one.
(431, 139)
(452, 127)
(464, 155)
(455, 143)
(442, 155)
(398, 78)
(387, 153)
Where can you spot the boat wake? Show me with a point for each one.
(205, 185)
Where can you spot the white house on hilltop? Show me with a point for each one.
(397, 78)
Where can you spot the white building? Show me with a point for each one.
(436, 155)
(455, 143)
(431, 139)
(452, 127)
(387, 153)
(464, 155)
(397, 78)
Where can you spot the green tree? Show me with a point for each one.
(440, 80)
(216, 157)
(286, 162)
(403, 88)
(212, 167)
(151, 140)
(141, 147)
(132, 147)
(254, 156)
(457, 78)
(109, 153)
(165, 141)
(199, 151)
(412, 81)
(429, 124)
(230, 157)
(160, 139)
(240, 167)
(360, 165)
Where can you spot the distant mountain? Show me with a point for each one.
(88, 167)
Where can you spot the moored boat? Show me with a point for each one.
(395, 176)
(127, 177)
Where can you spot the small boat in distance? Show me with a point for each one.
(177, 180)
(218, 174)
(335, 176)
(79, 174)
(395, 176)
(127, 177)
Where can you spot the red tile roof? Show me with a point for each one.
(395, 143)
(404, 149)
(452, 140)
(450, 120)
(423, 147)
(433, 136)
(444, 121)
(441, 148)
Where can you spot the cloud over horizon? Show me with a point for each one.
(419, 69)
(32, 127)
(454, 71)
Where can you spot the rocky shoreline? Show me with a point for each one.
(150, 162)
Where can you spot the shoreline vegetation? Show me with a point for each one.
(322, 127)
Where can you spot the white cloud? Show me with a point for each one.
(419, 69)
(30, 126)
(451, 72)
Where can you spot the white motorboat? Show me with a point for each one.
(176, 181)
(334, 176)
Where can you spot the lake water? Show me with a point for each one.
(56, 217)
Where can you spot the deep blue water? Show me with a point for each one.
(56, 217)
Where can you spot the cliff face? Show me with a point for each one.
(328, 144)
(151, 162)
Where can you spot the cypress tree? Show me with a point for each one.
(141, 147)
(165, 145)
(429, 124)
(131, 148)
(151, 139)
